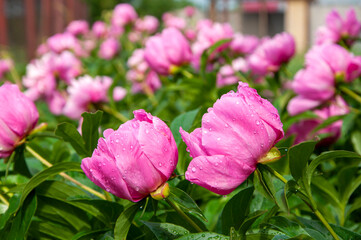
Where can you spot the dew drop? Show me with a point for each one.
(146, 131)
(201, 168)
(218, 139)
(205, 131)
(137, 189)
(233, 119)
(91, 170)
(159, 164)
(237, 102)
(226, 125)
(123, 149)
(210, 129)
(131, 147)
(193, 169)
(258, 122)
(116, 140)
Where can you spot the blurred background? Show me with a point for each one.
(24, 24)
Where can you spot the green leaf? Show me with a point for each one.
(86, 235)
(185, 121)
(63, 213)
(70, 134)
(282, 201)
(22, 220)
(124, 222)
(247, 223)
(185, 202)
(236, 210)
(50, 230)
(328, 190)
(345, 233)
(14, 204)
(349, 189)
(323, 157)
(60, 152)
(204, 236)
(298, 157)
(166, 230)
(90, 129)
(286, 226)
(45, 174)
(356, 141)
(259, 236)
(263, 183)
(20, 165)
(328, 122)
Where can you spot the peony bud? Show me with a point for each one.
(135, 160)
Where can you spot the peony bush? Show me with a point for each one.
(135, 128)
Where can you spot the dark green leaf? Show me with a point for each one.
(282, 201)
(204, 236)
(328, 190)
(63, 213)
(22, 220)
(247, 223)
(45, 174)
(356, 141)
(186, 203)
(236, 210)
(90, 129)
(49, 229)
(166, 230)
(185, 121)
(263, 184)
(323, 157)
(70, 134)
(286, 226)
(345, 233)
(60, 152)
(14, 204)
(298, 157)
(86, 235)
(20, 165)
(259, 236)
(124, 222)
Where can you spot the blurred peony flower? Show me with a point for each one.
(64, 41)
(18, 118)
(78, 27)
(337, 29)
(237, 133)
(148, 24)
(85, 92)
(226, 74)
(5, 66)
(99, 29)
(171, 21)
(244, 44)
(134, 160)
(109, 48)
(303, 130)
(189, 11)
(167, 51)
(271, 54)
(123, 14)
(326, 65)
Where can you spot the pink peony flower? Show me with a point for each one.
(64, 41)
(304, 129)
(148, 24)
(244, 44)
(171, 21)
(236, 133)
(134, 160)
(99, 29)
(316, 84)
(123, 14)
(78, 27)
(167, 50)
(337, 28)
(5, 66)
(272, 53)
(86, 91)
(189, 11)
(109, 48)
(226, 74)
(18, 118)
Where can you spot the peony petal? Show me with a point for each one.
(218, 173)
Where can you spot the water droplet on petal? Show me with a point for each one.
(146, 131)
(194, 169)
(91, 170)
(226, 125)
(159, 164)
(116, 140)
(218, 139)
(258, 122)
(123, 149)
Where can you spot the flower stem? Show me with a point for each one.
(114, 113)
(351, 93)
(314, 210)
(180, 212)
(64, 175)
(3, 199)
